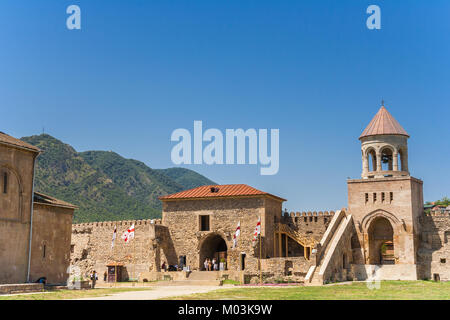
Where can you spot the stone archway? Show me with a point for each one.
(213, 246)
(381, 241)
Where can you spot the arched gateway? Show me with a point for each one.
(213, 246)
(381, 242)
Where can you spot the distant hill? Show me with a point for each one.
(103, 184)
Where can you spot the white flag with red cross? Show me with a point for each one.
(237, 233)
(257, 230)
(129, 234)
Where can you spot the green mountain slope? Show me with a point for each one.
(187, 178)
(104, 185)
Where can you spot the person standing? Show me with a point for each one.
(105, 276)
(209, 265)
(205, 264)
(94, 278)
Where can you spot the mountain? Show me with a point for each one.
(104, 185)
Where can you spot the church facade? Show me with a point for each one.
(35, 229)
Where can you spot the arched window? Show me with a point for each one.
(387, 159)
(10, 202)
(5, 182)
(372, 159)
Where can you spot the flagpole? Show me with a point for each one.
(115, 271)
(134, 260)
(260, 267)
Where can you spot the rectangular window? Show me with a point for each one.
(382, 197)
(443, 260)
(305, 219)
(204, 223)
(315, 219)
(367, 197)
(5, 182)
(391, 195)
(374, 197)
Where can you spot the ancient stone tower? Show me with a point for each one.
(386, 202)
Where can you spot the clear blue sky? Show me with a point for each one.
(140, 69)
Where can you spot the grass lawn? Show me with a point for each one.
(70, 294)
(389, 290)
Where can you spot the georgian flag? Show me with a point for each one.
(129, 234)
(257, 230)
(114, 237)
(236, 234)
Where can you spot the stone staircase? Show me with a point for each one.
(337, 228)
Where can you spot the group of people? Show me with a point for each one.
(211, 265)
(176, 267)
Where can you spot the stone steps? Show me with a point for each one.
(189, 283)
(204, 275)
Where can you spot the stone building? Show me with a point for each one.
(383, 234)
(25, 215)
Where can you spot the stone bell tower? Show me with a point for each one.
(386, 202)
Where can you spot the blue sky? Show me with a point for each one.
(137, 70)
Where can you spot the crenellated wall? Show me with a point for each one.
(309, 224)
(91, 246)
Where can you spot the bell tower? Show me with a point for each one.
(386, 202)
(384, 147)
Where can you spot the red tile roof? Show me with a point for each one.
(226, 190)
(383, 123)
(7, 139)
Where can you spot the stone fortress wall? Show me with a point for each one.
(311, 224)
(433, 257)
(91, 246)
(153, 244)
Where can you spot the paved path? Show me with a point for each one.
(158, 292)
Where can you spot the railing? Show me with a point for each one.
(300, 238)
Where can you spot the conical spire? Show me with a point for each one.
(383, 123)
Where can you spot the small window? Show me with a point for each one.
(72, 248)
(325, 220)
(391, 195)
(382, 197)
(310, 219)
(305, 219)
(367, 197)
(443, 260)
(374, 197)
(315, 219)
(204, 223)
(5, 182)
